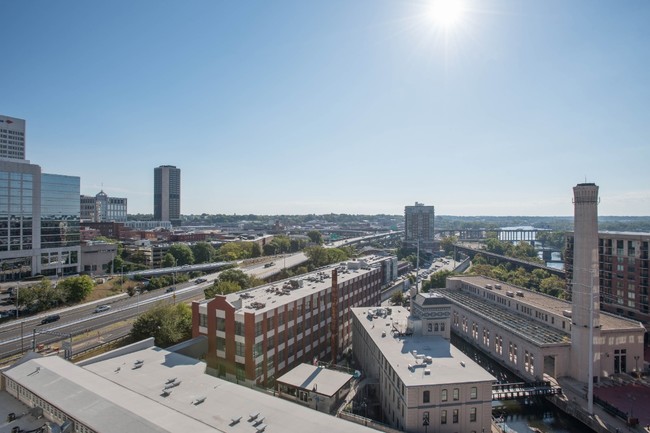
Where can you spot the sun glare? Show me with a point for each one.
(446, 13)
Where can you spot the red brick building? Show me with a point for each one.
(258, 334)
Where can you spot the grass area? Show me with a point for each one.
(111, 287)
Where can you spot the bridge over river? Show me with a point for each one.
(523, 390)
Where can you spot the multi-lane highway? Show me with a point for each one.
(16, 335)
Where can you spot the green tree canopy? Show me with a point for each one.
(168, 260)
(76, 289)
(204, 252)
(221, 288)
(168, 324)
(315, 236)
(182, 253)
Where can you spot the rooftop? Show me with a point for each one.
(408, 355)
(169, 392)
(547, 303)
(319, 379)
(270, 296)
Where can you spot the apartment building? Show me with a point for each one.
(258, 334)
(623, 269)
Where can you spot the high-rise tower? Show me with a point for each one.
(12, 138)
(167, 194)
(585, 296)
(418, 222)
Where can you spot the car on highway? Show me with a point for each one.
(102, 308)
(200, 280)
(51, 318)
(170, 289)
(269, 265)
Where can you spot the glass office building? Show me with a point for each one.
(60, 237)
(39, 222)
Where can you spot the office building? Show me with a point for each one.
(424, 383)
(12, 138)
(167, 194)
(145, 389)
(623, 267)
(102, 208)
(258, 334)
(418, 226)
(39, 221)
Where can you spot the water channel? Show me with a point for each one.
(533, 415)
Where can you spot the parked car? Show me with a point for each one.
(102, 308)
(51, 318)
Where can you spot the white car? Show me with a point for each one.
(102, 308)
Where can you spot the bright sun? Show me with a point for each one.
(446, 13)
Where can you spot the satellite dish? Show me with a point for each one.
(357, 374)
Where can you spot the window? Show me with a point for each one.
(221, 343)
(240, 349)
(456, 394)
(473, 394)
(443, 395)
(239, 328)
(455, 416)
(472, 414)
(443, 417)
(425, 397)
(221, 324)
(203, 320)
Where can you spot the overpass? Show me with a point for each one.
(506, 235)
(491, 257)
(203, 267)
(364, 239)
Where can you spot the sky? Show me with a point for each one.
(337, 106)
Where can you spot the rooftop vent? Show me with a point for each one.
(462, 363)
(199, 400)
(427, 372)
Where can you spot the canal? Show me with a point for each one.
(514, 416)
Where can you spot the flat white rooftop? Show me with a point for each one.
(449, 365)
(317, 379)
(270, 296)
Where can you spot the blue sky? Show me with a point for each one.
(364, 106)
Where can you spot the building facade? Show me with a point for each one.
(167, 194)
(259, 334)
(423, 382)
(102, 208)
(12, 138)
(623, 267)
(419, 225)
(531, 333)
(39, 221)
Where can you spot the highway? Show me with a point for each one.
(17, 334)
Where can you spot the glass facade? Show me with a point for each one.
(16, 200)
(59, 211)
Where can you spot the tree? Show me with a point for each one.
(447, 244)
(182, 253)
(233, 251)
(168, 260)
(236, 276)
(315, 236)
(221, 288)
(204, 252)
(438, 280)
(76, 289)
(256, 250)
(168, 324)
(397, 298)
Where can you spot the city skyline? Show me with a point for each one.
(358, 108)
